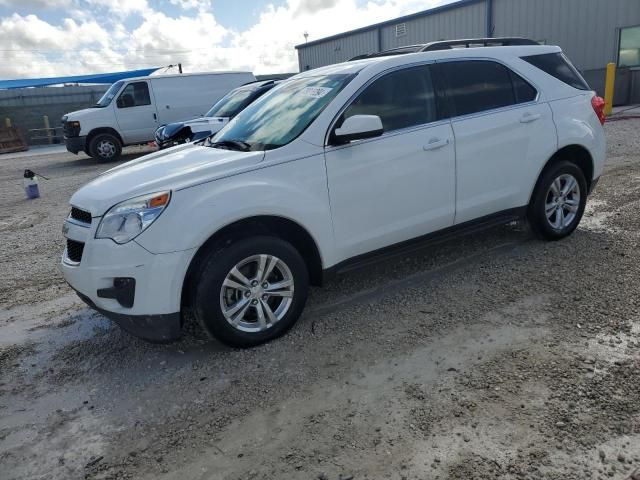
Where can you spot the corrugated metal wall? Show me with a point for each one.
(587, 30)
(339, 50)
(464, 22)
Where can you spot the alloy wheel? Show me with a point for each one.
(562, 201)
(257, 293)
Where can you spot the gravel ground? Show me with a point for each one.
(492, 356)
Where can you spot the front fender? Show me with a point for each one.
(295, 190)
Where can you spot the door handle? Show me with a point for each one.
(155, 117)
(436, 143)
(530, 117)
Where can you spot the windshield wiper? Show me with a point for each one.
(239, 145)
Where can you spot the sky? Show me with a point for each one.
(48, 38)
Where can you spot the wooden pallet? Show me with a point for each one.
(11, 140)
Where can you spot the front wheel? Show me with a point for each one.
(558, 201)
(105, 147)
(251, 291)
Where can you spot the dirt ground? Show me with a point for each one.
(492, 356)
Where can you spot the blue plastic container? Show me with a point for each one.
(31, 185)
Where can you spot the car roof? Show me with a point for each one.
(182, 75)
(503, 53)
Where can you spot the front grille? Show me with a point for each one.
(69, 129)
(74, 250)
(80, 215)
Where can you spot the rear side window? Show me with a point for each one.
(401, 99)
(558, 66)
(479, 85)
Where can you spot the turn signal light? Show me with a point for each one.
(159, 201)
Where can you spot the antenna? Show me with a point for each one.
(306, 36)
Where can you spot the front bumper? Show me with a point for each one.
(150, 306)
(75, 144)
(159, 328)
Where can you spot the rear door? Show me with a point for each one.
(136, 113)
(400, 185)
(503, 136)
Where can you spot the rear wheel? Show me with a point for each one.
(105, 146)
(558, 202)
(251, 291)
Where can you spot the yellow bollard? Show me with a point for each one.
(7, 122)
(608, 88)
(47, 127)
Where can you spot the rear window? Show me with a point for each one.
(558, 66)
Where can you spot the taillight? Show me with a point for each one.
(598, 106)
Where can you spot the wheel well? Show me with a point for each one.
(97, 131)
(277, 226)
(576, 154)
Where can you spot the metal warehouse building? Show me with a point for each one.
(591, 32)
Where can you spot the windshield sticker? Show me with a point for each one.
(315, 92)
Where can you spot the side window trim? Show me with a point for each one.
(449, 102)
(439, 119)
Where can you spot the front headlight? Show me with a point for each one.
(126, 220)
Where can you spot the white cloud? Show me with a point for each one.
(33, 47)
(35, 4)
(121, 8)
(200, 5)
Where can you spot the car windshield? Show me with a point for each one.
(232, 103)
(278, 117)
(109, 94)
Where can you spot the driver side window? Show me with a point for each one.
(134, 95)
(402, 99)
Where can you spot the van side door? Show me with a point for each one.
(136, 113)
(400, 185)
(503, 135)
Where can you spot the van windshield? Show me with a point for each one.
(281, 115)
(109, 94)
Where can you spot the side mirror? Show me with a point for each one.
(358, 127)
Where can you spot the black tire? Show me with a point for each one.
(207, 295)
(105, 147)
(556, 228)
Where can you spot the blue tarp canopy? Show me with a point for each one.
(96, 78)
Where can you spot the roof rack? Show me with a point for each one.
(450, 44)
(477, 42)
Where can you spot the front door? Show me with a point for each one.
(400, 185)
(136, 113)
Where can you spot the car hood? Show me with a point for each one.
(171, 169)
(80, 114)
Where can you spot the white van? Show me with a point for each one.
(141, 105)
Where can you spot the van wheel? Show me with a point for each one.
(105, 147)
(250, 291)
(558, 201)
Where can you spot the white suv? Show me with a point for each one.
(330, 168)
